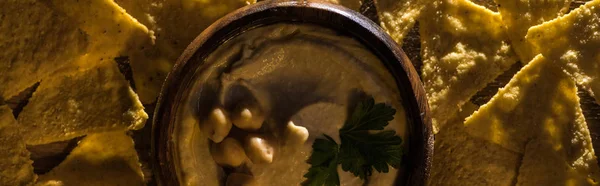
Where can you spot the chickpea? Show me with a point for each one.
(217, 126)
(229, 152)
(259, 150)
(296, 135)
(239, 179)
(248, 117)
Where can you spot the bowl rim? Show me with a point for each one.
(374, 38)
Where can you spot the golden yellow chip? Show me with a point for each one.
(573, 41)
(35, 41)
(543, 165)
(76, 103)
(539, 103)
(539, 97)
(460, 159)
(15, 165)
(464, 47)
(101, 159)
(111, 29)
(176, 24)
(519, 15)
(398, 17)
(114, 33)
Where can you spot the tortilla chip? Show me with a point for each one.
(116, 34)
(573, 41)
(73, 104)
(539, 103)
(543, 165)
(109, 26)
(464, 48)
(105, 159)
(539, 97)
(460, 159)
(398, 17)
(15, 165)
(176, 24)
(36, 41)
(518, 16)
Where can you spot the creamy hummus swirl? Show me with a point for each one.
(297, 72)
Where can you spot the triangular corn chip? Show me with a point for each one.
(573, 41)
(543, 165)
(460, 159)
(175, 24)
(113, 33)
(464, 48)
(539, 103)
(398, 17)
(15, 165)
(519, 15)
(76, 103)
(35, 41)
(101, 159)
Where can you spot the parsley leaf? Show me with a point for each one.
(362, 149)
(364, 146)
(368, 116)
(324, 161)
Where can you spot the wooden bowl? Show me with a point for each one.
(420, 140)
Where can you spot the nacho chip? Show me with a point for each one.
(15, 165)
(539, 97)
(398, 17)
(115, 33)
(519, 15)
(539, 103)
(101, 159)
(176, 24)
(35, 41)
(464, 48)
(111, 29)
(460, 159)
(574, 42)
(543, 165)
(74, 104)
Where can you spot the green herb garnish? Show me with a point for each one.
(364, 146)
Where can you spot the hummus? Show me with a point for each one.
(298, 73)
